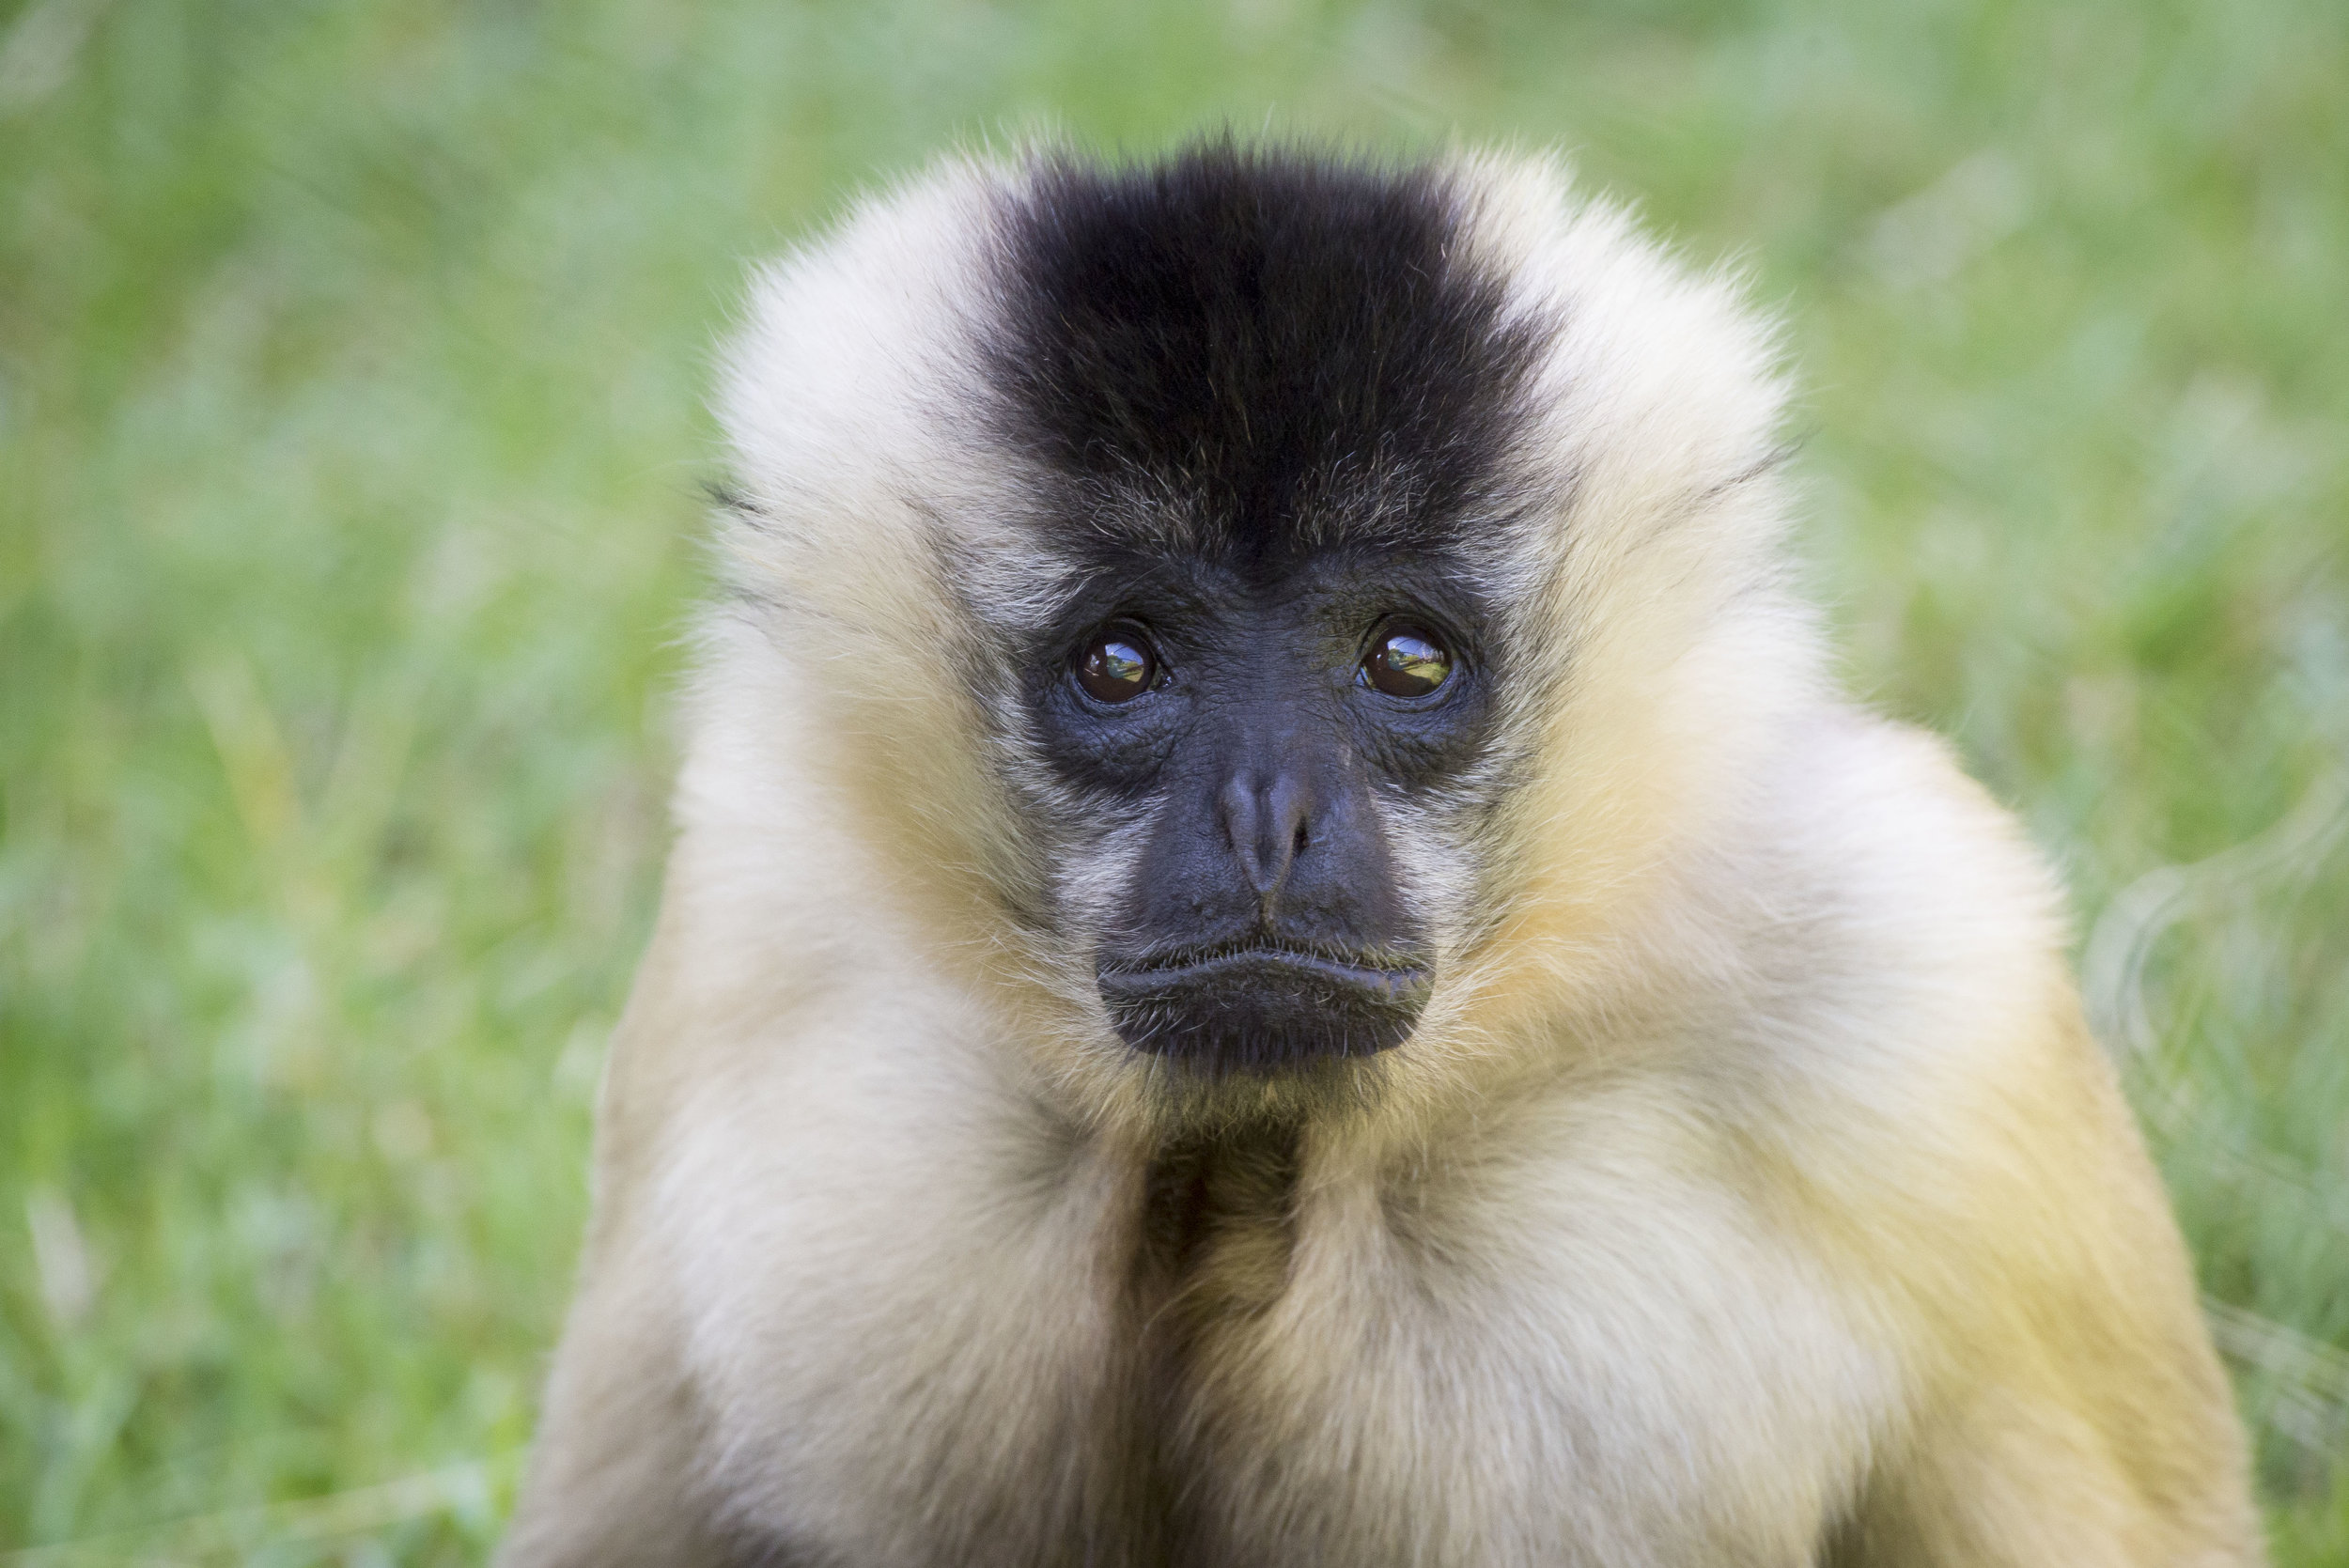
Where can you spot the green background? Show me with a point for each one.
(350, 444)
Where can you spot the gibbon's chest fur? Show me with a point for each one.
(959, 1340)
(1212, 1248)
(1222, 1307)
(1216, 1231)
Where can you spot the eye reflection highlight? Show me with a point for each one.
(1408, 661)
(1117, 665)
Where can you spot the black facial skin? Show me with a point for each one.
(1264, 926)
(1269, 402)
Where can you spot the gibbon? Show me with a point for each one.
(1280, 950)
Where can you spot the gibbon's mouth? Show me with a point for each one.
(1260, 1007)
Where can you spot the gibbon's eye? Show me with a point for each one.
(1117, 665)
(1407, 661)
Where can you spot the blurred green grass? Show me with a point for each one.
(349, 442)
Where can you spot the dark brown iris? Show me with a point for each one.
(1407, 661)
(1117, 665)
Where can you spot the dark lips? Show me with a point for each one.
(1181, 969)
(1260, 1007)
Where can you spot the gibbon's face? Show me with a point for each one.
(1273, 410)
(1251, 741)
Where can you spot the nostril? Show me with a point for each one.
(1267, 826)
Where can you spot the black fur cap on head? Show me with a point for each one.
(1272, 350)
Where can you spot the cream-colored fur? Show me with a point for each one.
(1749, 1194)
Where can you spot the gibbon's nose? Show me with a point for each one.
(1267, 822)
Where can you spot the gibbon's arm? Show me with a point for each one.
(1982, 1176)
(2076, 1413)
(612, 1480)
(617, 1474)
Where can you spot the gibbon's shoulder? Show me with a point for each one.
(1886, 815)
(1901, 954)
